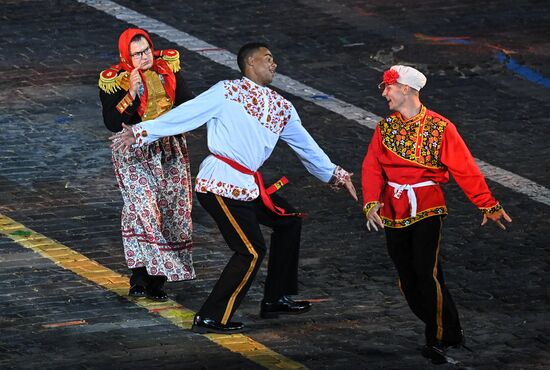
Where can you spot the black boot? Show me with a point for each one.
(156, 294)
(155, 288)
(204, 325)
(138, 282)
(435, 352)
(283, 306)
(137, 291)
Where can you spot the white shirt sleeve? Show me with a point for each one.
(311, 155)
(185, 117)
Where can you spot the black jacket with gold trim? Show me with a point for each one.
(118, 108)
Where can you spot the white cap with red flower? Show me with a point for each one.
(404, 75)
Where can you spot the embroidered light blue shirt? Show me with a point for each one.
(244, 122)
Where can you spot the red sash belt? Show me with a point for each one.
(264, 193)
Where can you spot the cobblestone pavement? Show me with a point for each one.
(56, 179)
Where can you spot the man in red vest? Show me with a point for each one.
(412, 151)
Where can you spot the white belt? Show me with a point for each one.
(398, 189)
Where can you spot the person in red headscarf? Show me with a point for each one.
(411, 153)
(154, 180)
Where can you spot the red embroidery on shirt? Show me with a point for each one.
(225, 190)
(250, 96)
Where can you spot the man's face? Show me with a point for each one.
(263, 66)
(141, 53)
(396, 95)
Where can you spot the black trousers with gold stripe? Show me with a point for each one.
(415, 253)
(239, 223)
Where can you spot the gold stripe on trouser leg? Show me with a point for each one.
(248, 245)
(172, 311)
(400, 287)
(439, 312)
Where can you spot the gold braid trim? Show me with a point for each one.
(491, 210)
(124, 103)
(436, 211)
(110, 81)
(369, 206)
(123, 80)
(172, 58)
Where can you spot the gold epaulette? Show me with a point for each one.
(172, 58)
(110, 80)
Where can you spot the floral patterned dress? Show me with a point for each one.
(156, 217)
(154, 180)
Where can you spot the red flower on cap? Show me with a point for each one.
(390, 76)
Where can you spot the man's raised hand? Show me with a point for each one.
(496, 218)
(123, 140)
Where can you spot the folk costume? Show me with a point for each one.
(154, 180)
(406, 162)
(244, 122)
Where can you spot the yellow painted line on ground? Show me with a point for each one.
(174, 312)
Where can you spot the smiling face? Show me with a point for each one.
(397, 95)
(261, 67)
(141, 53)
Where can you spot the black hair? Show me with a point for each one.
(247, 50)
(138, 37)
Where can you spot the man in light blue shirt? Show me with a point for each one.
(245, 119)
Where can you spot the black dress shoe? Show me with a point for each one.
(204, 325)
(156, 294)
(137, 291)
(284, 306)
(435, 352)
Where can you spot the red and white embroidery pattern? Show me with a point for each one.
(339, 178)
(252, 97)
(225, 190)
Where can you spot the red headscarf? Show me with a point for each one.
(159, 65)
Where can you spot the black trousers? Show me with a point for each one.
(142, 278)
(239, 223)
(415, 253)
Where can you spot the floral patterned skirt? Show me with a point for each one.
(155, 183)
